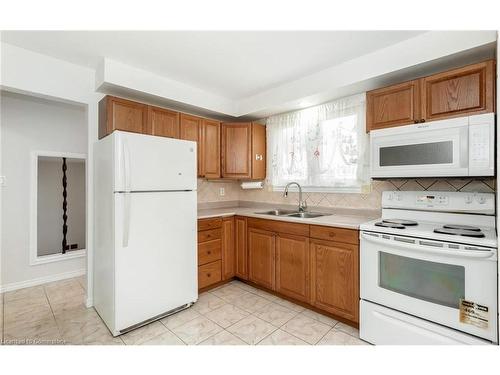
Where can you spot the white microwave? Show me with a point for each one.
(463, 146)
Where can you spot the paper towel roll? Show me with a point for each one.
(252, 185)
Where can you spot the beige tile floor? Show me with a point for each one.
(233, 314)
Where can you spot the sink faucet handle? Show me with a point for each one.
(303, 206)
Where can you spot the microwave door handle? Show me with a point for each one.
(424, 249)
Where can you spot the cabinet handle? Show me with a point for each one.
(258, 157)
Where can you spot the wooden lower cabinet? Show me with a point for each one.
(228, 248)
(335, 278)
(241, 251)
(293, 266)
(261, 257)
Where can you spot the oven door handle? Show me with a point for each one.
(483, 254)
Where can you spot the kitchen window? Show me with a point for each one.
(323, 148)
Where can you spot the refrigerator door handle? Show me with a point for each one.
(126, 163)
(126, 219)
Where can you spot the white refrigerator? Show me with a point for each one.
(145, 252)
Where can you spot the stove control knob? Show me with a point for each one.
(481, 200)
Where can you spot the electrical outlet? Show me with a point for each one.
(222, 192)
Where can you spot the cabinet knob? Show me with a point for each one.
(209, 274)
(209, 252)
(258, 157)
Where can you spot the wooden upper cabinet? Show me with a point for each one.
(121, 114)
(163, 122)
(293, 266)
(241, 250)
(335, 278)
(228, 250)
(393, 106)
(459, 92)
(190, 130)
(244, 151)
(261, 257)
(210, 149)
(258, 151)
(236, 150)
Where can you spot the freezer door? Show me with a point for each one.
(148, 163)
(155, 254)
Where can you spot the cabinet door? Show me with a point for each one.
(293, 266)
(335, 278)
(236, 150)
(261, 257)
(121, 114)
(210, 139)
(163, 122)
(393, 106)
(190, 130)
(241, 253)
(258, 152)
(459, 92)
(228, 251)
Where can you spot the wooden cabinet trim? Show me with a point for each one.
(241, 247)
(228, 248)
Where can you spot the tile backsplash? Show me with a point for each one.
(209, 191)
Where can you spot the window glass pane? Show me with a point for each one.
(416, 154)
(439, 283)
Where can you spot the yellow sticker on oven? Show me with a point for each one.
(474, 314)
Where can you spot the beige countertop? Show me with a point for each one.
(345, 218)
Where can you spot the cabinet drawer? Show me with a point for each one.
(279, 226)
(209, 274)
(209, 251)
(334, 234)
(209, 235)
(205, 224)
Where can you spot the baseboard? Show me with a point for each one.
(41, 280)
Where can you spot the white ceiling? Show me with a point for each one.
(232, 64)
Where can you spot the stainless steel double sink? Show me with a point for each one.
(292, 213)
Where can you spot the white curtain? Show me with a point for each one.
(324, 148)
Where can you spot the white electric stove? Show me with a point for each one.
(428, 270)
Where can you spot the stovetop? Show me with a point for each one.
(459, 233)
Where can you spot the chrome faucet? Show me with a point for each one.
(302, 204)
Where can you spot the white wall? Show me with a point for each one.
(50, 200)
(32, 124)
(43, 76)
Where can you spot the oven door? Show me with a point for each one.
(427, 279)
(439, 148)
